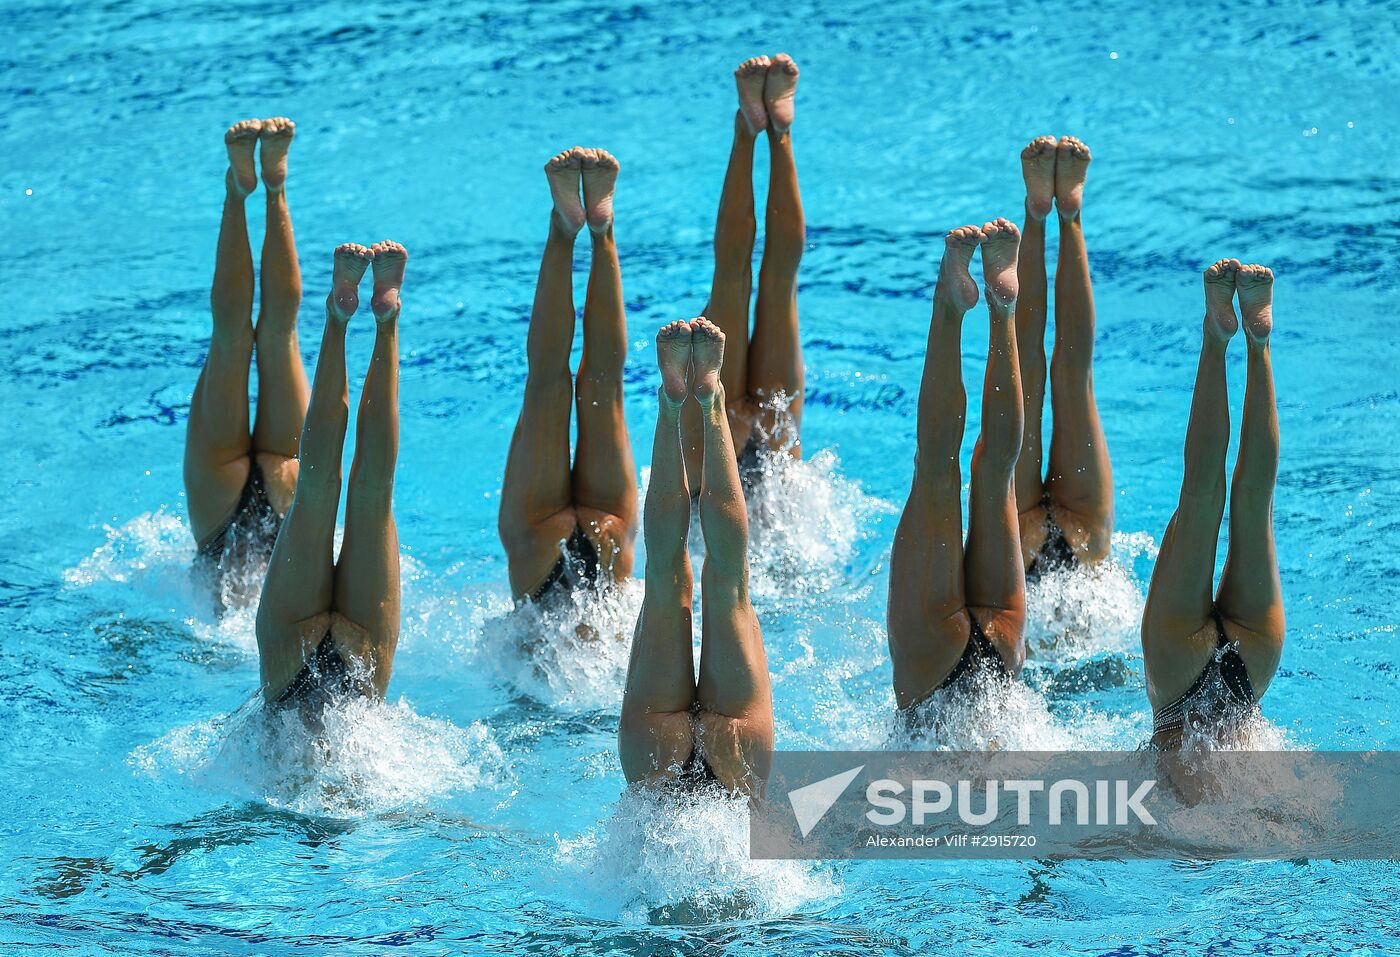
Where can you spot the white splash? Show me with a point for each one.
(367, 757)
(682, 859)
(569, 651)
(1077, 612)
(989, 712)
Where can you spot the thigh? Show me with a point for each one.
(533, 548)
(613, 537)
(298, 591)
(367, 590)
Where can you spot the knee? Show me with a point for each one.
(995, 454)
(552, 386)
(599, 385)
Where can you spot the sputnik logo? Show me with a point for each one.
(811, 801)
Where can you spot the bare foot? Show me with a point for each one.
(276, 139)
(1220, 299)
(600, 170)
(954, 280)
(1038, 168)
(1255, 284)
(750, 78)
(706, 355)
(351, 261)
(240, 139)
(389, 261)
(778, 93)
(1071, 164)
(673, 357)
(1000, 242)
(564, 172)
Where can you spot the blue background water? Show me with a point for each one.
(145, 812)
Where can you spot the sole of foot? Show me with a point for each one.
(351, 261)
(599, 173)
(1000, 242)
(779, 91)
(1038, 168)
(955, 281)
(673, 359)
(274, 140)
(750, 77)
(239, 140)
(1071, 165)
(389, 261)
(1255, 285)
(565, 172)
(1219, 278)
(706, 356)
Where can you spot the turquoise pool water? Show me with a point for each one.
(145, 809)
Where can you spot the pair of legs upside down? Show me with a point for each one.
(239, 482)
(761, 368)
(1065, 509)
(274, 494)
(676, 729)
(567, 522)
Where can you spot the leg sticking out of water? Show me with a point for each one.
(217, 440)
(1178, 636)
(283, 391)
(604, 477)
(537, 493)
(775, 366)
(1079, 478)
(656, 736)
(294, 614)
(735, 720)
(927, 609)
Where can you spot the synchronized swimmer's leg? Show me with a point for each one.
(1038, 169)
(1080, 476)
(775, 354)
(736, 700)
(656, 736)
(367, 594)
(1251, 594)
(732, 285)
(1177, 635)
(217, 443)
(604, 478)
(294, 613)
(537, 493)
(995, 579)
(282, 388)
(927, 621)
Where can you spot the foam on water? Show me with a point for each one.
(367, 757)
(672, 858)
(569, 651)
(1075, 612)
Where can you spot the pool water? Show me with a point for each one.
(149, 807)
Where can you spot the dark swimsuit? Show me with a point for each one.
(248, 535)
(1222, 689)
(1056, 553)
(325, 676)
(578, 566)
(978, 653)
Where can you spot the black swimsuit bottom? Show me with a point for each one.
(578, 566)
(325, 676)
(979, 652)
(254, 523)
(1225, 675)
(1056, 553)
